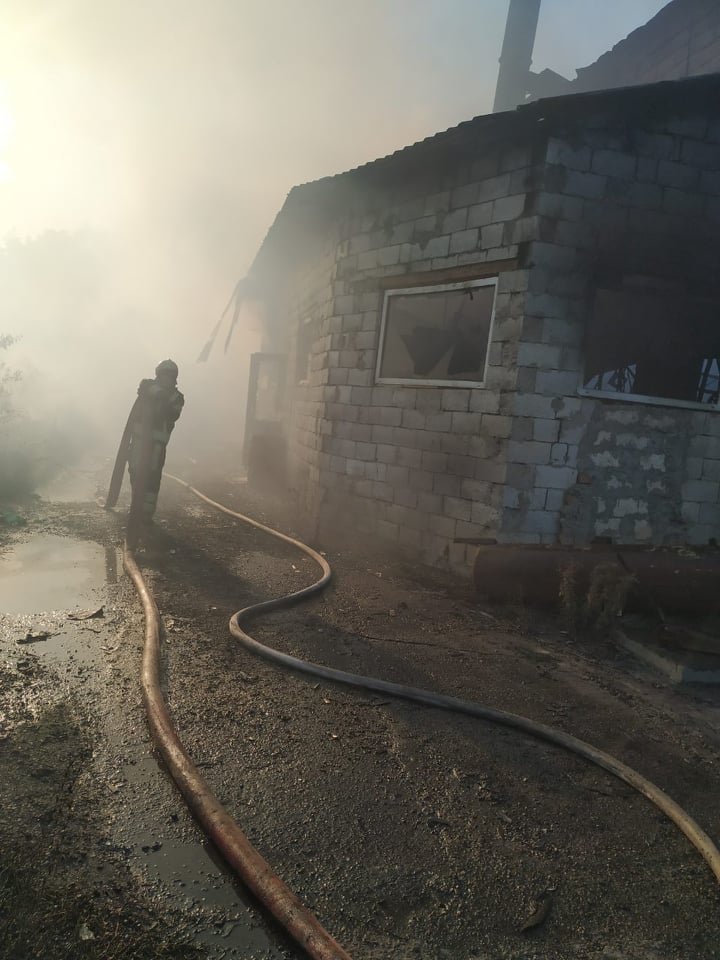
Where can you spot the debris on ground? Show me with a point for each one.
(87, 614)
(540, 912)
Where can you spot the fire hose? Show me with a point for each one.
(302, 925)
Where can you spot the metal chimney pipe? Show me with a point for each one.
(516, 55)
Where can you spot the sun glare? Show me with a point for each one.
(7, 126)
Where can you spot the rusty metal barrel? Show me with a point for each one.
(684, 580)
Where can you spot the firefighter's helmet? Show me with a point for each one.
(168, 367)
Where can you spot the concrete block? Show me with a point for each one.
(438, 421)
(528, 451)
(381, 433)
(508, 208)
(554, 500)
(494, 187)
(484, 514)
(590, 185)
(710, 182)
(437, 203)
(404, 397)
(695, 153)
(456, 399)
(408, 457)
(494, 425)
(387, 530)
(457, 508)
(468, 423)
(447, 485)
(524, 230)
(557, 382)
(383, 491)
(540, 521)
(684, 203)
(390, 416)
(480, 214)
(710, 514)
(561, 153)
(464, 196)
(491, 235)
(710, 469)
(429, 503)
(520, 476)
(558, 206)
(421, 480)
(443, 526)
(701, 491)
(554, 477)
(429, 400)
(612, 163)
(649, 195)
(656, 145)
(545, 430)
(413, 419)
(681, 176)
(490, 471)
(543, 355)
(513, 281)
(434, 461)
(484, 401)
(436, 247)
(386, 453)
(464, 240)
(454, 222)
(388, 256)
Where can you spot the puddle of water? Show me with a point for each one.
(51, 573)
(40, 581)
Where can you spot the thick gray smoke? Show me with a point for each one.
(145, 148)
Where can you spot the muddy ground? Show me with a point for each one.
(410, 832)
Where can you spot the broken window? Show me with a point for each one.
(653, 347)
(437, 335)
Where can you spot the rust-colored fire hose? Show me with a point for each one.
(220, 827)
(253, 869)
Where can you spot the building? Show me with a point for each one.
(508, 331)
(681, 40)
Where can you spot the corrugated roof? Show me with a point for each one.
(318, 196)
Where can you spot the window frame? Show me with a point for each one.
(434, 288)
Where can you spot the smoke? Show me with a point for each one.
(145, 148)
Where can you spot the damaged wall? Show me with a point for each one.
(423, 466)
(627, 198)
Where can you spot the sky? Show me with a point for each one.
(177, 127)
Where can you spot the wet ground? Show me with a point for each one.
(411, 833)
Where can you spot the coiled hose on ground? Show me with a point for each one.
(223, 830)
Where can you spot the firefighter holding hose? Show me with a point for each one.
(154, 414)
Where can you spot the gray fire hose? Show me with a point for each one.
(692, 830)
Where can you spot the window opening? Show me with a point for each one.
(663, 349)
(437, 335)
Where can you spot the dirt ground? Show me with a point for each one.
(412, 833)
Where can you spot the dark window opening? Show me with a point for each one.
(306, 337)
(438, 335)
(651, 346)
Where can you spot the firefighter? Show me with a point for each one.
(153, 417)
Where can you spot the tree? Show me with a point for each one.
(8, 376)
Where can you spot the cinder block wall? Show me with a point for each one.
(682, 40)
(308, 301)
(617, 199)
(422, 466)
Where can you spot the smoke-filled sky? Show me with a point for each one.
(177, 127)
